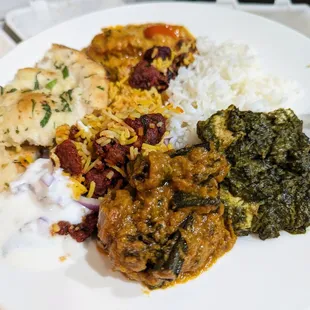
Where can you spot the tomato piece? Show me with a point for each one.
(165, 30)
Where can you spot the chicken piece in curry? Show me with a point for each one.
(167, 226)
(121, 48)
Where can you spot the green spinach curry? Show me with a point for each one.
(268, 187)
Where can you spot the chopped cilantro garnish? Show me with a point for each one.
(65, 72)
(50, 85)
(69, 92)
(26, 129)
(57, 110)
(88, 76)
(11, 91)
(7, 131)
(47, 116)
(65, 96)
(1, 90)
(7, 184)
(100, 87)
(26, 90)
(36, 82)
(17, 130)
(62, 97)
(33, 105)
(66, 108)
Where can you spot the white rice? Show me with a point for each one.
(221, 75)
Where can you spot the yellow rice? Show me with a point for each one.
(108, 124)
(91, 190)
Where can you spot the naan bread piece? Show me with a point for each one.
(90, 76)
(64, 87)
(13, 163)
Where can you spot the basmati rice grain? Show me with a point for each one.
(221, 75)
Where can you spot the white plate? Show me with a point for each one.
(255, 275)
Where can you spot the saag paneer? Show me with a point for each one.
(268, 187)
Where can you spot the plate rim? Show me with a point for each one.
(159, 3)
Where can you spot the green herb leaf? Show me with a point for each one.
(26, 90)
(26, 129)
(69, 92)
(1, 90)
(36, 82)
(7, 131)
(100, 87)
(65, 72)
(88, 76)
(17, 130)
(47, 116)
(66, 108)
(33, 105)
(65, 96)
(50, 85)
(11, 91)
(7, 184)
